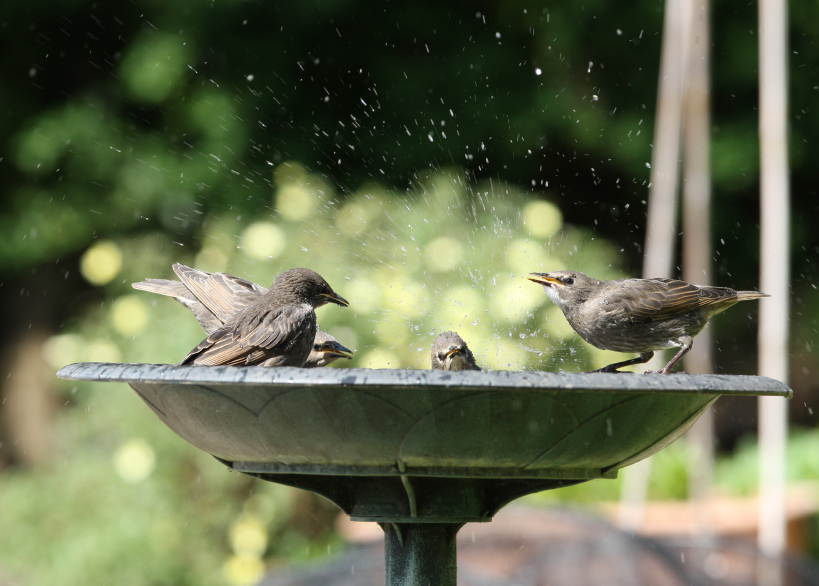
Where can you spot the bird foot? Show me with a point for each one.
(607, 369)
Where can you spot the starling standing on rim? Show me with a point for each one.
(278, 329)
(637, 315)
(214, 298)
(450, 352)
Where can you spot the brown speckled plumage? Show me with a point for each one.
(637, 315)
(277, 329)
(214, 298)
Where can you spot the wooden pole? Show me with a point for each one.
(661, 227)
(661, 223)
(696, 241)
(774, 274)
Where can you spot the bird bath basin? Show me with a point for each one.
(422, 452)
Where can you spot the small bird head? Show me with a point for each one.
(306, 286)
(450, 352)
(326, 349)
(565, 287)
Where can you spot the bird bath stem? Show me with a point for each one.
(423, 452)
(420, 553)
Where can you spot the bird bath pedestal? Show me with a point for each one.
(422, 452)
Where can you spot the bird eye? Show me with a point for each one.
(320, 289)
(569, 281)
(316, 347)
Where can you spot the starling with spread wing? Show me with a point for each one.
(637, 315)
(278, 329)
(213, 298)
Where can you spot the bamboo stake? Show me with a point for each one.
(774, 274)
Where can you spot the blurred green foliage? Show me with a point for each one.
(449, 255)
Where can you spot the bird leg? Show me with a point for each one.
(667, 368)
(641, 359)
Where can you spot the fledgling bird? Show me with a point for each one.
(326, 349)
(450, 352)
(637, 315)
(278, 329)
(213, 298)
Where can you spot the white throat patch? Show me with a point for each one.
(551, 291)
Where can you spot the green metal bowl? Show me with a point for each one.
(423, 445)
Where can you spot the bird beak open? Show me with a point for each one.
(336, 349)
(337, 299)
(544, 279)
(453, 351)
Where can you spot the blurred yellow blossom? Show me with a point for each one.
(296, 201)
(212, 259)
(242, 570)
(263, 240)
(102, 351)
(101, 262)
(134, 461)
(443, 254)
(64, 349)
(542, 218)
(129, 315)
(248, 537)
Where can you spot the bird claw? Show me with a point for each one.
(607, 369)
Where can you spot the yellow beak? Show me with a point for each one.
(543, 279)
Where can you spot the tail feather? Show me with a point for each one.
(746, 295)
(209, 322)
(164, 287)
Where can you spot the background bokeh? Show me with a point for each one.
(422, 156)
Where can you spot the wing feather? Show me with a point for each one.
(183, 295)
(224, 295)
(254, 336)
(659, 299)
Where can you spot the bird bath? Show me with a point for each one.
(422, 452)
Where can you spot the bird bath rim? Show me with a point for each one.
(499, 380)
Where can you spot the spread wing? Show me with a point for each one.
(209, 322)
(255, 336)
(658, 299)
(165, 287)
(224, 295)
